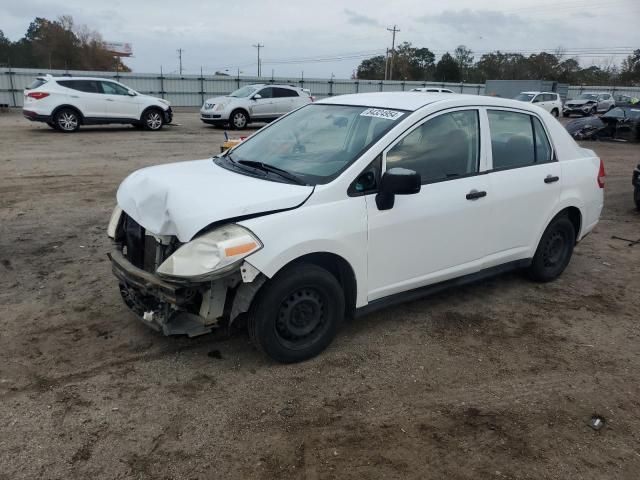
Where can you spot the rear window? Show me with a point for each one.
(284, 92)
(38, 82)
(89, 86)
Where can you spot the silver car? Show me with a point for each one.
(259, 102)
(589, 103)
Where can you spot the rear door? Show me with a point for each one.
(525, 182)
(286, 99)
(119, 103)
(85, 95)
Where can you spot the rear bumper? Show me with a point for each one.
(35, 117)
(577, 110)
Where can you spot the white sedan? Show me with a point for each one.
(347, 205)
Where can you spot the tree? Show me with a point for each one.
(447, 69)
(464, 58)
(630, 71)
(372, 68)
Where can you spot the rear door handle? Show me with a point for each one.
(475, 194)
(551, 179)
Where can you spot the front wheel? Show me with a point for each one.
(554, 250)
(67, 120)
(153, 120)
(238, 119)
(296, 315)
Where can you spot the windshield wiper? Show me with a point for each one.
(265, 167)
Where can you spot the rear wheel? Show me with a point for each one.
(636, 196)
(67, 120)
(565, 115)
(52, 125)
(153, 120)
(554, 250)
(296, 315)
(555, 112)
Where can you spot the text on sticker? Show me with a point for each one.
(382, 113)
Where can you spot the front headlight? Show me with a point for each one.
(113, 222)
(214, 252)
(219, 107)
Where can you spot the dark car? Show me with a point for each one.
(635, 181)
(619, 123)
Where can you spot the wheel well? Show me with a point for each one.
(575, 217)
(152, 107)
(339, 268)
(70, 107)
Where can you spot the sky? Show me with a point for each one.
(330, 37)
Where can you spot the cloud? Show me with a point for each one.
(356, 18)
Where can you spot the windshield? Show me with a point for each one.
(243, 92)
(525, 97)
(317, 142)
(588, 96)
(38, 82)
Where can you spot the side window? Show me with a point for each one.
(89, 86)
(284, 92)
(538, 99)
(517, 140)
(442, 148)
(111, 88)
(266, 92)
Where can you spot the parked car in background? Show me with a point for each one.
(589, 103)
(259, 102)
(550, 101)
(66, 103)
(431, 90)
(348, 205)
(635, 181)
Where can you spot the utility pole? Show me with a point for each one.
(259, 46)
(386, 64)
(393, 30)
(180, 59)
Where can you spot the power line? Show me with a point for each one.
(259, 46)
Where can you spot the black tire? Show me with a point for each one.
(296, 315)
(565, 115)
(52, 125)
(555, 112)
(137, 126)
(554, 250)
(67, 120)
(594, 111)
(238, 120)
(153, 119)
(636, 196)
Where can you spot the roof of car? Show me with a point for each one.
(79, 78)
(412, 102)
(284, 85)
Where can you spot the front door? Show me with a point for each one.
(264, 107)
(438, 233)
(119, 103)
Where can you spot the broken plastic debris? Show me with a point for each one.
(597, 422)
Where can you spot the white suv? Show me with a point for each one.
(347, 205)
(65, 103)
(550, 101)
(431, 90)
(259, 102)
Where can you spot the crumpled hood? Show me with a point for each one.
(183, 198)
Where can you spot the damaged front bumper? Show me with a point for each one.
(184, 308)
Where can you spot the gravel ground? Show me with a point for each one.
(494, 380)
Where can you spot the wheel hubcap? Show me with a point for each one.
(301, 318)
(554, 250)
(154, 121)
(68, 121)
(239, 120)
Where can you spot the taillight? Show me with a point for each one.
(601, 175)
(37, 95)
(313, 99)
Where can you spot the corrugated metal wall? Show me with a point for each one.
(192, 90)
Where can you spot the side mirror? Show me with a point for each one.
(396, 181)
(131, 93)
(257, 96)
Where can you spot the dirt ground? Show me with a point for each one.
(494, 380)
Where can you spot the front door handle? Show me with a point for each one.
(551, 179)
(475, 194)
(109, 99)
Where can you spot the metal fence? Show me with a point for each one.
(192, 90)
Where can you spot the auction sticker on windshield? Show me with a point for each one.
(382, 113)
